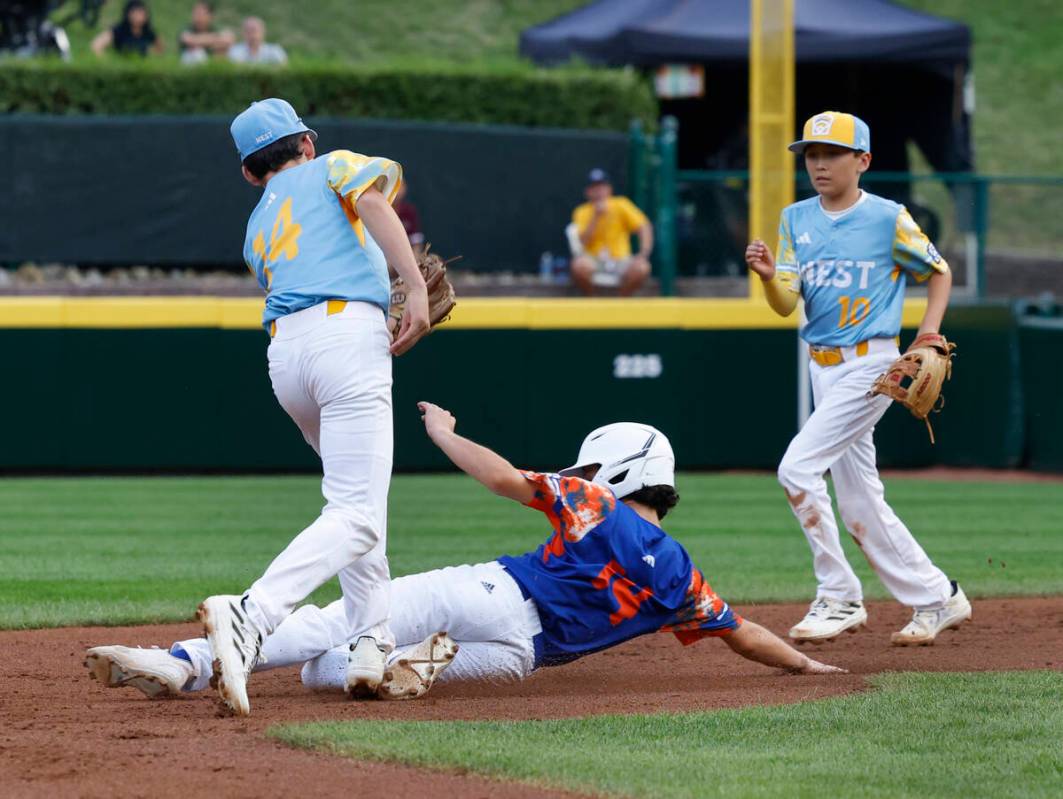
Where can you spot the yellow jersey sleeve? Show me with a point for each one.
(581, 216)
(913, 251)
(351, 174)
(784, 289)
(784, 251)
(631, 217)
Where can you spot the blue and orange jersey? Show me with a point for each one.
(606, 575)
(305, 242)
(852, 270)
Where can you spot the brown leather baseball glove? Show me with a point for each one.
(441, 298)
(915, 379)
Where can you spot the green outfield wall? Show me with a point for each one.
(88, 390)
(1042, 380)
(167, 190)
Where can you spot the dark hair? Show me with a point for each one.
(124, 40)
(661, 498)
(273, 156)
(129, 6)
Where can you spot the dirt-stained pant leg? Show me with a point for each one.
(891, 549)
(843, 414)
(308, 632)
(839, 437)
(333, 377)
(481, 608)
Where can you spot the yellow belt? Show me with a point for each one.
(334, 307)
(832, 356)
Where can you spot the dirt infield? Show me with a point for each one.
(64, 735)
(972, 475)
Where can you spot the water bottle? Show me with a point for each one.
(560, 270)
(546, 267)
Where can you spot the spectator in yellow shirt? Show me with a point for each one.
(604, 225)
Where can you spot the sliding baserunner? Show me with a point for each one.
(607, 574)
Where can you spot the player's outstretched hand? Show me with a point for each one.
(415, 322)
(815, 667)
(436, 420)
(760, 259)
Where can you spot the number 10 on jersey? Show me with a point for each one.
(854, 310)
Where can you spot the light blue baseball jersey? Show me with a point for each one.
(852, 271)
(305, 242)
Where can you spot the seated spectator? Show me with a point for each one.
(254, 49)
(604, 225)
(202, 39)
(411, 220)
(132, 36)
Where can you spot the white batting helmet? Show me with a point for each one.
(629, 455)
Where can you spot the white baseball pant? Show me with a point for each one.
(480, 606)
(331, 371)
(838, 436)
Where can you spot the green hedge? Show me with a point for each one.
(569, 98)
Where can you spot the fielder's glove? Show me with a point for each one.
(915, 379)
(441, 299)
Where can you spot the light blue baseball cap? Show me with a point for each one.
(264, 122)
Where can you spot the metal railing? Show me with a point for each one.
(701, 216)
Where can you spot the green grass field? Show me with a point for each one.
(1017, 61)
(129, 550)
(368, 31)
(916, 735)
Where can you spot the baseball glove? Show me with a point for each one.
(915, 379)
(441, 299)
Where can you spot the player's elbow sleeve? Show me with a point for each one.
(782, 306)
(781, 295)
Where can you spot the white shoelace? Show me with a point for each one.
(819, 609)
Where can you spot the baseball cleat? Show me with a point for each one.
(926, 624)
(236, 646)
(154, 672)
(827, 619)
(365, 668)
(413, 671)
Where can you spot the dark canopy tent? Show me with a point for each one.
(903, 71)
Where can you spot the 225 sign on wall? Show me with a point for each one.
(648, 366)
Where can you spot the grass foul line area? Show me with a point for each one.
(916, 735)
(143, 550)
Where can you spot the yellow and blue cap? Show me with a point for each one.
(835, 127)
(264, 122)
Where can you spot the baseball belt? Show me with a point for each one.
(832, 356)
